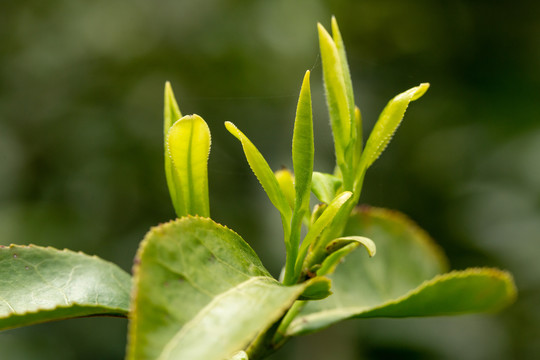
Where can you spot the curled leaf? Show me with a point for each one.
(338, 243)
(188, 144)
(331, 262)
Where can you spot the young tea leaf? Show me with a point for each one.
(359, 142)
(338, 243)
(285, 180)
(386, 126)
(329, 265)
(341, 247)
(338, 40)
(44, 284)
(325, 186)
(171, 110)
(171, 114)
(336, 94)
(262, 171)
(318, 226)
(302, 147)
(188, 144)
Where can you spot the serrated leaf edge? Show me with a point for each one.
(121, 311)
(353, 312)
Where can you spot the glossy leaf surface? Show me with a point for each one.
(198, 286)
(44, 284)
(188, 144)
(402, 280)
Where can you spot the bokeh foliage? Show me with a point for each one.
(81, 142)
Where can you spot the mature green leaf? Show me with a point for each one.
(188, 144)
(232, 320)
(336, 94)
(200, 293)
(325, 186)
(264, 174)
(171, 114)
(388, 122)
(402, 280)
(44, 284)
(302, 147)
(318, 226)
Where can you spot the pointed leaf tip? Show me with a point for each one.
(303, 146)
(232, 128)
(420, 91)
(338, 90)
(264, 174)
(387, 124)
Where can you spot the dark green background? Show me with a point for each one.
(81, 86)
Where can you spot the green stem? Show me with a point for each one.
(280, 336)
(292, 251)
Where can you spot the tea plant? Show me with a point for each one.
(199, 291)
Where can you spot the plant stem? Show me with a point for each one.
(280, 335)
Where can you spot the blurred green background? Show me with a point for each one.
(81, 86)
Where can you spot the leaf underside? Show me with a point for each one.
(45, 284)
(197, 287)
(402, 280)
